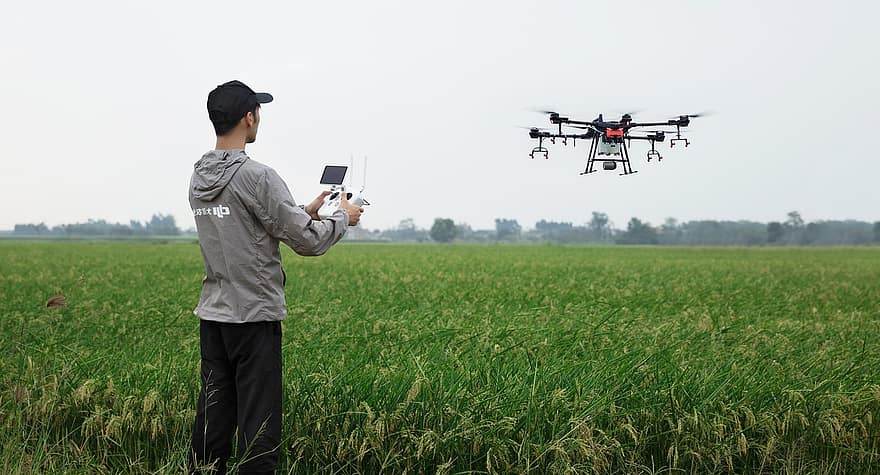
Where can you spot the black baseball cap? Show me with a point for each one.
(231, 101)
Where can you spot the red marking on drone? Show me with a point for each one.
(614, 133)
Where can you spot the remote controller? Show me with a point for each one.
(335, 176)
(334, 200)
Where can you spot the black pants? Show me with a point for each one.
(241, 386)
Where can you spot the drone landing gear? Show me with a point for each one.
(608, 163)
(591, 156)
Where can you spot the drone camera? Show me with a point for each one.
(609, 165)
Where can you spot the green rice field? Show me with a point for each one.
(460, 359)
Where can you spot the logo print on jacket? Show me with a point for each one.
(219, 211)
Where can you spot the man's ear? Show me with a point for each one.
(249, 119)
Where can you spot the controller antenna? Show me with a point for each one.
(364, 184)
(350, 169)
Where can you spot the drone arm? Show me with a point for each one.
(654, 124)
(652, 138)
(578, 122)
(564, 136)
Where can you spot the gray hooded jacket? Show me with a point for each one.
(243, 209)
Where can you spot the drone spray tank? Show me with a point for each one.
(609, 148)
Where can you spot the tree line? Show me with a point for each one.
(600, 230)
(158, 225)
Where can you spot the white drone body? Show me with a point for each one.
(334, 176)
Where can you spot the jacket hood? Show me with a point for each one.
(214, 171)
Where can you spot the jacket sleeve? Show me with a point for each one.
(280, 216)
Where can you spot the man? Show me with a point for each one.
(243, 209)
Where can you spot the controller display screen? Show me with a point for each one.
(333, 175)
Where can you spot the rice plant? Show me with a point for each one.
(460, 359)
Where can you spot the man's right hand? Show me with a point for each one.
(354, 212)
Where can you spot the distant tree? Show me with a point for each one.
(810, 233)
(775, 232)
(877, 231)
(599, 226)
(670, 232)
(638, 232)
(507, 229)
(443, 230)
(794, 228)
(31, 229)
(406, 224)
(406, 230)
(162, 225)
(552, 229)
(847, 232)
(562, 232)
(794, 221)
(137, 228)
(718, 233)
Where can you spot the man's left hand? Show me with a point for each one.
(313, 207)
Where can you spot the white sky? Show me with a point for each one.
(104, 105)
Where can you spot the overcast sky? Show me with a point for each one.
(104, 105)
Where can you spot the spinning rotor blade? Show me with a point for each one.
(543, 111)
(694, 116)
(537, 132)
(553, 115)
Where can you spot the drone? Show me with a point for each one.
(609, 139)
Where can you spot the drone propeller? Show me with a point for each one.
(537, 133)
(555, 117)
(694, 116)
